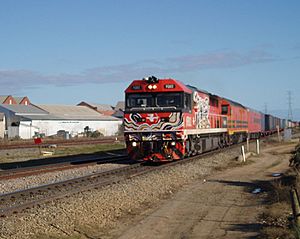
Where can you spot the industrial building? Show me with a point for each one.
(25, 121)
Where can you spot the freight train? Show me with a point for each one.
(166, 120)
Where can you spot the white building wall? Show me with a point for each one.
(13, 131)
(26, 130)
(50, 127)
(2, 127)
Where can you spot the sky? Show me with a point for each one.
(68, 51)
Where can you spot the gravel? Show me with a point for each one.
(89, 214)
(22, 183)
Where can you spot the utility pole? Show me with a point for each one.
(290, 112)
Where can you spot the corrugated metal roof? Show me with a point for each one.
(3, 98)
(120, 105)
(24, 109)
(56, 112)
(73, 113)
(102, 107)
(19, 99)
(99, 107)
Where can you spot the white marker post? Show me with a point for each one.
(278, 134)
(243, 153)
(257, 146)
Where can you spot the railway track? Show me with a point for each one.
(19, 201)
(34, 170)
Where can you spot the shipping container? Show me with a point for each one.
(254, 123)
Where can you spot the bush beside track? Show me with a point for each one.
(277, 220)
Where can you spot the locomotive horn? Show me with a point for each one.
(151, 79)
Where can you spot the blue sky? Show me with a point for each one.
(67, 51)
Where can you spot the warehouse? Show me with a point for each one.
(25, 121)
(18, 122)
(75, 119)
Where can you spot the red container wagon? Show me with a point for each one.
(255, 123)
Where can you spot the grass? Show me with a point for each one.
(17, 155)
(277, 219)
(87, 149)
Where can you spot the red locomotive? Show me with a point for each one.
(166, 120)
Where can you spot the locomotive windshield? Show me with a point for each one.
(140, 100)
(154, 100)
(170, 99)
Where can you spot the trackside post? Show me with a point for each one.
(257, 146)
(278, 133)
(243, 153)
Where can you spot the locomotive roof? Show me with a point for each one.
(180, 85)
(195, 88)
(234, 103)
(253, 110)
(203, 91)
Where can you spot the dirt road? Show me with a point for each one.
(220, 206)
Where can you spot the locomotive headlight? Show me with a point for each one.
(150, 87)
(173, 143)
(154, 87)
(134, 144)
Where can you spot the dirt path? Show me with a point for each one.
(221, 206)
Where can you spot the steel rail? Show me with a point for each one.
(34, 170)
(46, 193)
(18, 201)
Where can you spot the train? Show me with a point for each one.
(166, 120)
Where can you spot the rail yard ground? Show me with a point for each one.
(21, 154)
(214, 197)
